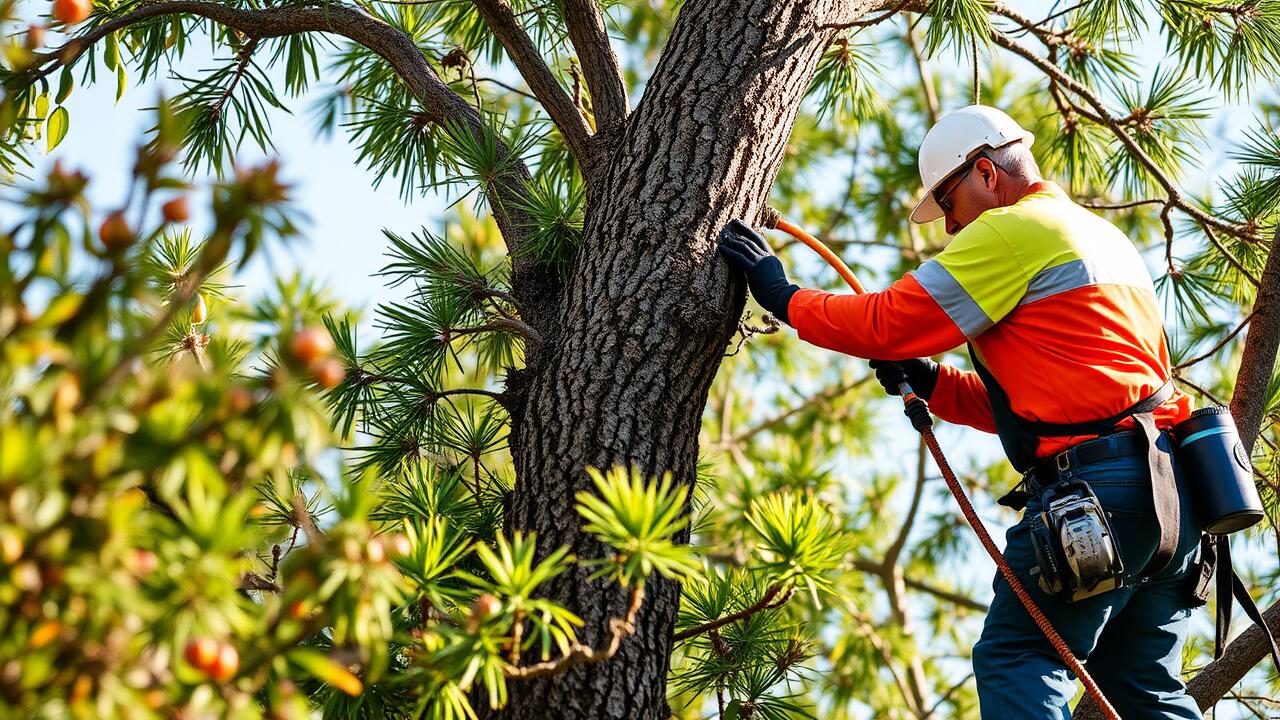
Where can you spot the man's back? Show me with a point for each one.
(1060, 308)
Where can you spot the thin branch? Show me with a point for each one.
(897, 7)
(926, 82)
(955, 598)
(502, 21)
(246, 55)
(580, 654)
(1230, 256)
(822, 397)
(766, 602)
(506, 323)
(1101, 204)
(864, 624)
(947, 696)
(505, 86)
(1203, 393)
(587, 32)
(1221, 343)
(895, 550)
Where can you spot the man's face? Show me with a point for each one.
(967, 193)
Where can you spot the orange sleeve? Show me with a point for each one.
(961, 398)
(897, 323)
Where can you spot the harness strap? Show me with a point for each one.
(1100, 427)
(1231, 586)
(1164, 492)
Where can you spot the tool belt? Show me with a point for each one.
(1020, 437)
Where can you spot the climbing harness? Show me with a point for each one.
(918, 411)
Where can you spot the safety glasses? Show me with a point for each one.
(944, 200)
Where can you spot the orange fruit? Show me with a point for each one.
(201, 653)
(200, 312)
(115, 232)
(72, 12)
(176, 210)
(484, 606)
(376, 552)
(227, 664)
(328, 373)
(310, 344)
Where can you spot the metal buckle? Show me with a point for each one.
(1063, 461)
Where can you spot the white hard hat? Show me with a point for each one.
(951, 141)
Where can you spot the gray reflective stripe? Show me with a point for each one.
(955, 301)
(1082, 273)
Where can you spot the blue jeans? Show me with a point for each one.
(1132, 636)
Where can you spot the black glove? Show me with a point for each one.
(744, 248)
(920, 373)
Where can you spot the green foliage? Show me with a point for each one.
(842, 83)
(954, 23)
(639, 521)
(376, 579)
(800, 540)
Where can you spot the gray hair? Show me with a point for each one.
(1016, 160)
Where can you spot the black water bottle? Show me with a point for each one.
(1218, 470)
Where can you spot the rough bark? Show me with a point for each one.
(648, 311)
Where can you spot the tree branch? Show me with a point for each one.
(1101, 204)
(766, 602)
(440, 105)
(502, 21)
(599, 64)
(1221, 343)
(823, 396)
(955, 598)
(506, 323)
(1090, 98)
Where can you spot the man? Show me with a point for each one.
(1064, 329)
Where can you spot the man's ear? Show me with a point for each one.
(987, 173)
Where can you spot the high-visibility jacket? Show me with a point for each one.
(1055, 300)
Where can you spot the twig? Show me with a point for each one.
(1221, 343)
(824, 396)
(246, 54)
(518, 326)
(505, 86)
(1205, 393)
(1100, 204)
(1231, 258)
(947, 696)
(580, 654)
(867, 23)
(766, 602)
(771, 326)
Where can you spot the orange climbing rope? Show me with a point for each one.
(773, 220)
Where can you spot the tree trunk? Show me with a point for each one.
(647, 312)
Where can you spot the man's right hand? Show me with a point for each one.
(920, 373)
